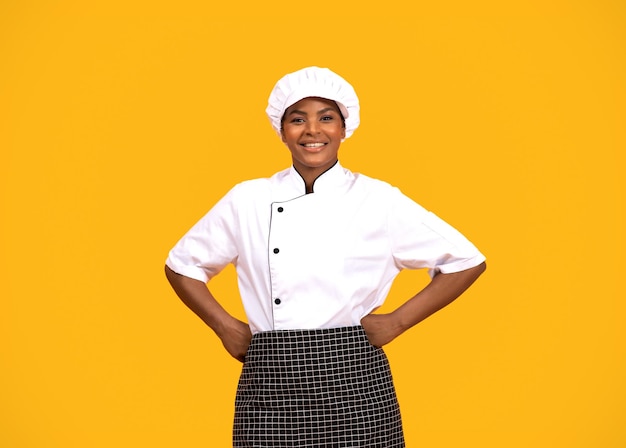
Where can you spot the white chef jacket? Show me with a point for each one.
(318, 260)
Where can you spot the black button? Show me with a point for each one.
(280, 209)
(276, 250)
(277, 301)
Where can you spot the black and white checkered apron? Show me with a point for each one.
(316, 388)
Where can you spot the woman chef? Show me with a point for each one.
(316, 248)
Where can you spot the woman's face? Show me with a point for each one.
(312, 130)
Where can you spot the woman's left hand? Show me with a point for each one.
(380, 329)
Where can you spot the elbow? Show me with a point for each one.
(169, 274)
(478, 270)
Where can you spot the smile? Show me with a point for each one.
(313, 145)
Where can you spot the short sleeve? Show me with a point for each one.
(420, 239)
(210, 244)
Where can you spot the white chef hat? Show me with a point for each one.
(313, 82)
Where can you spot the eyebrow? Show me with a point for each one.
(319, 112)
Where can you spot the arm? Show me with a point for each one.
(234, 334)
(441, 291)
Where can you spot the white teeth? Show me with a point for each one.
(313, 145)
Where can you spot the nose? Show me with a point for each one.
(312, 127)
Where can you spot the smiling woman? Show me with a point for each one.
(313, 129)
(316, 248)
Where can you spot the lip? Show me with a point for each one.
(317, 146)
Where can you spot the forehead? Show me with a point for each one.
(314, 103)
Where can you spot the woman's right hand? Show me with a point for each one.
(236, 337)
(235, 334)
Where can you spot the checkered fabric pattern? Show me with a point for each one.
(316, 388)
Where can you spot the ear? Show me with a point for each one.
(343, 133)
(282, 136)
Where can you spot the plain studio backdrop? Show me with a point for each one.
(122, 123)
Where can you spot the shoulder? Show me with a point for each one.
(372, 182)
(251, 186)
(374, 187)
(388, 197)
(260, 183)
(258, 188)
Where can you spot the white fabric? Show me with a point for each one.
(313, 82)
(329, 257)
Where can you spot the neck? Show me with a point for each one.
(310, 175)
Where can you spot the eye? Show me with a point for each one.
(297, 120)
(327, 118)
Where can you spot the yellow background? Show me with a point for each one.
(121, 123)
